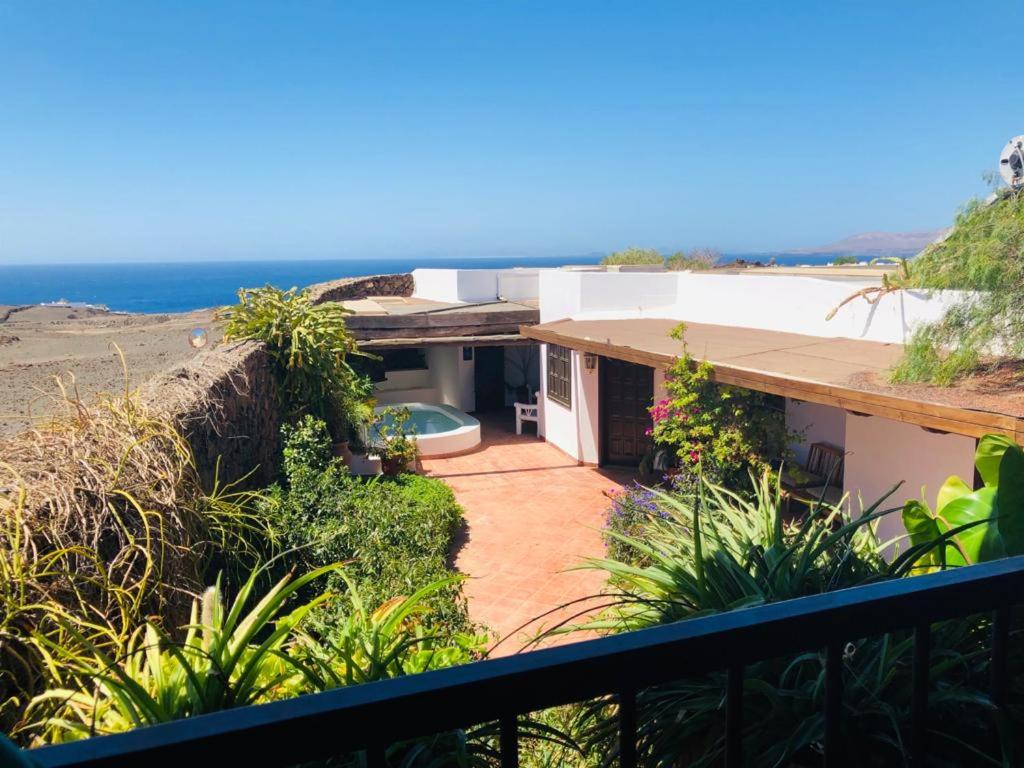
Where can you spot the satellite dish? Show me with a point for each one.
(1011, 162)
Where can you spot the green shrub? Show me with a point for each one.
(250, 652)
(634, 256)
(695, 260)
(839, 261)
(720, 551)
(985, 253)
(397, 532)
(309, 345)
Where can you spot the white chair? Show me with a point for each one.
(528, 412)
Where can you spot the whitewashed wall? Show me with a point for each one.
(785, 303)
(453, 377)
(560, 293)
(407, 387)
(575, 429)
(436, 284)
(519, 284)
(473, 285)
(816, 424)
(881, 452)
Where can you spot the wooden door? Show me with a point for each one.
(627, 391)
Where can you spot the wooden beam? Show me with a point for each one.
(418, 320)
(503, 340)
(436, 333)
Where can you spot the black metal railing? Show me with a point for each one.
(372, 716)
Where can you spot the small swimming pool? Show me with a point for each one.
(440, 430)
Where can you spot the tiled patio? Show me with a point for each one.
(531, 514)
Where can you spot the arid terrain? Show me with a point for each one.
(38, 344)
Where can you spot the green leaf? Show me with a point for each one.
(923, 529)
(1010, 500)
(980, 542)
(989, 455)
(953, 488)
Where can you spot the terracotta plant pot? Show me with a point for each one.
(342, 451)
(392, 467)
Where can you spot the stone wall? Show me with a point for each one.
(224, 400)
(361, 287)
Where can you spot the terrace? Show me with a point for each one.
(518, 546)
(773, 612)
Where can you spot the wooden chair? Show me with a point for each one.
(820, 479)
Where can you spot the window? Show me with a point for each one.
(407, 359)
(560, 374)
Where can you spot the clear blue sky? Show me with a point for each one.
(152, 131)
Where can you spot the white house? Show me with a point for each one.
(606, 348)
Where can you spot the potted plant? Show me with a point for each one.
(520, 360)
(395, 443)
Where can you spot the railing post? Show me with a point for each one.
(510, 741)
(1000, 644)
(627, 729)
(834, 754)
(919, 697)
(734, 718)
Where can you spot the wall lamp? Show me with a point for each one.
(589, 361)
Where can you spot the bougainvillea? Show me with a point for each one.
(719, 430)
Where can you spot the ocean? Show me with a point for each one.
(183, 286)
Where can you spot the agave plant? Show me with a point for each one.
(717, 551)
(388, 641)
(229, 657)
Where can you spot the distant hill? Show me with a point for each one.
(879, 244)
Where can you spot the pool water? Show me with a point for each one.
(428, 422)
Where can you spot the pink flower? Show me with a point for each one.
(648, 432)
(694, 457)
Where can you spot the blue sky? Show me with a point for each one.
(157, 131)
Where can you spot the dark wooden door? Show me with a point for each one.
(489, 378)
(627, 391)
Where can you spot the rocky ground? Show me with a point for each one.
(38, 344)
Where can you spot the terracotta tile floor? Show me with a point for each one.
(531, 514)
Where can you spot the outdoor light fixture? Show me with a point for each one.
(590, 361)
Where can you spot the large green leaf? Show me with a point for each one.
(1010, 500)
(923, 529)
(989, 455)
(979, 542)
(952, 489)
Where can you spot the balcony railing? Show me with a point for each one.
(372, 716)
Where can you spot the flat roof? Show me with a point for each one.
(846, 373)
(415, 305)
(414, 321)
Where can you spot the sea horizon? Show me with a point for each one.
(183, 286)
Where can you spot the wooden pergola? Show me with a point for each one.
(829, 371)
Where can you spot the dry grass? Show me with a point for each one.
(104, 523)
